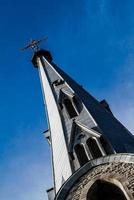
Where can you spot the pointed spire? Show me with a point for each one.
(81, 128)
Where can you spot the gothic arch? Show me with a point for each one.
(70, 108)
(81, 154)
(104, 190)
(77, 103)
(94, 148)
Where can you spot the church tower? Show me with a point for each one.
(92, 152)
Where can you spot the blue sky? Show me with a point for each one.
(93, 41)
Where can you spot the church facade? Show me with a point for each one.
(92, 152)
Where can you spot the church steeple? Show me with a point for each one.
(81, 128)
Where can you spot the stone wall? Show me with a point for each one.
(121, 174)
(117, 169)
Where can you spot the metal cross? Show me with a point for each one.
(34, 44)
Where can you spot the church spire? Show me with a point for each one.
(80, 127)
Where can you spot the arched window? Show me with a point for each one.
(103, 190)
(81, 154)
(94, 148)
(77, 104)
(70, 108)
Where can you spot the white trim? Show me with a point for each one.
(57, 132)
(85, 128)
(70, 95)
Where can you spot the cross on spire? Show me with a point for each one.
(34, 44)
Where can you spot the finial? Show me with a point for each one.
(34, 44)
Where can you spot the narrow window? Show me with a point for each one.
(77, 104)
(93, 148)
(81, 154)
(70, 108)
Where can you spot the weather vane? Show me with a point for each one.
(34, 44)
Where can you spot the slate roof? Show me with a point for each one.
(120, 138)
